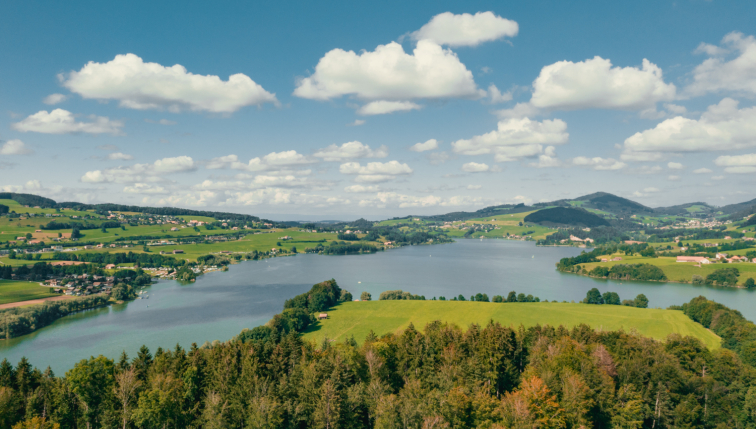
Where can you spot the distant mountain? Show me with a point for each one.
(559, 216)
(603, 201)
(739, 207)
(696, 209)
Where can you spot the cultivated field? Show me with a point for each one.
(358, 318)
(15, 291)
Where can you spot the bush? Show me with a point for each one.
(723, 277)
(346, 296)
(497, 298)
(365, 296)
(611, 298)
(698, 280)
(750, 283)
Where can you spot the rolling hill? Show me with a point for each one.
(566, 216)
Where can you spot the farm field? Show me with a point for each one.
(679, 271)
(15, 291)
(358, 318)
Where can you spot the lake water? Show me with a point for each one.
(219, 305)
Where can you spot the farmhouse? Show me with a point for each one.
(697, 259)
(322, 316)
(721, 256)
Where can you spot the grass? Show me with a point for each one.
(679, 271)
(358, 318)
(15, 291)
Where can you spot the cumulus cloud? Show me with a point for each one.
(474, 167)
(350, 150)
(598, 163)
(495, 96)
(272, 161)
(356, 123)
(381, 107)
(466, 29)
(721, 72)
(431, 144)
(394, 199)
(389, 73)
(675, 166)
(737, 163)
(374, 172)
(119, 156)
(139, 85)
(702, 171)
(358, 189)
(61, 121)
(161, 122)
(514, 139)
(722, 127)
(594, 83)
(15, 147)
(141, 172)
(54, 99)
(144, 188)
(548, 159)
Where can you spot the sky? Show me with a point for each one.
(332, 110)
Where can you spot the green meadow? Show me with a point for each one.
(679, 271)
(15, 291)
(358, 318)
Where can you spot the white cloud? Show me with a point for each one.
(277, 161)
(717, 177)
(594, 83)
(722, 127)
(546, 161)
(61, 121)
(141, 172)
(388, 73)
(675, 166)
(598, 163)
(496, 96)
(702, 171)
(466, 29)
(520, 110)
(144, 188)
(473, 187)
(357, 189)
(119, 156)
(161, 122)
(394, 199)
(382, 107)
(737, 163)
(31, 185)
(350, 150)
(717, 74)
(374, 172)
(357, 123)
(54, 99)
(673, 178)
(431, 144)
(474, 167)
(675, 109)
(15, 147)
(139, 85)
(515, 138)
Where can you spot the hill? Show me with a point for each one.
(566, 216)
(358, 318)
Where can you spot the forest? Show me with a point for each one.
(439, 377)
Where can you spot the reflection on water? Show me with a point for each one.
(220, 305)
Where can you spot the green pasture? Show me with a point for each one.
(15, 291)
(679, 271)
(197, 218)
(358, 318)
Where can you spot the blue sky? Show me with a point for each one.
(133, 103)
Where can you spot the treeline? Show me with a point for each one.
(146, 260)
(28, 199)
(566, 216)
(55, 225)
(346, 249)
(599, 234)
(23, 320)
(41, 270)
(738, 334)
(399, 295)
(662, 235)
(594, 296)
(641, 272)
(441, 377)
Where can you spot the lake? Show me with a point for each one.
(220, 304)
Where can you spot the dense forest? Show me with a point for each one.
(566, 216)
(441, 377)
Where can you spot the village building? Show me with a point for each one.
(696, 259)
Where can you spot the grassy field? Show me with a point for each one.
(358, 318)
(15, 291)
(679, 271)
(14, 206)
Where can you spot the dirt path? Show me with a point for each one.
(34, 301)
